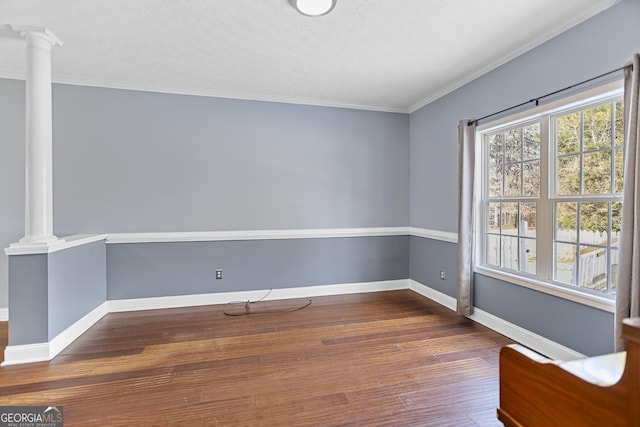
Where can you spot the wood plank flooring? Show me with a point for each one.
(386, 358)
(4, 338)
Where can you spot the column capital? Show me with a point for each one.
(26, 32)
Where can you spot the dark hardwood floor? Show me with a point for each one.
(387, 358)
(4, 338)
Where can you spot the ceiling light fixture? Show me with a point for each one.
(314, 7)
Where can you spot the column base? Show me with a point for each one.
(37, 240)
(33, 245)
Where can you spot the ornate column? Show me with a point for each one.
(38, 135)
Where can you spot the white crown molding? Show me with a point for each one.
(587, 12)
(576, 19)
(142, 87)
(532, 340)
(22, 31)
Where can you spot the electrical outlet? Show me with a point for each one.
(442, 275)
(218, 274)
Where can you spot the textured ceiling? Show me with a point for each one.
(390, 55)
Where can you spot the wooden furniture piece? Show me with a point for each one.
(596, 391)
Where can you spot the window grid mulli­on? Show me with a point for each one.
(555, 220)
(589, 158)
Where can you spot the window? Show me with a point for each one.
(551, 194)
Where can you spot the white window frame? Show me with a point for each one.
(544, 226)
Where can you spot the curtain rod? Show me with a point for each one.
(537, 100)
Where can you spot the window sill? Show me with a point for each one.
(595, 301)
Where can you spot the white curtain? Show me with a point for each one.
(628, 286)
(466, 208)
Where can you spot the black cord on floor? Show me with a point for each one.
(248, 303)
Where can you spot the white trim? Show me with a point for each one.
(21, 32)
(178, 301)
(437, 296)
(444, 236)
(214, 236)
(4, 314)
(66, 337)
(581, 297)
(199, 236)
(194, 91)
(18, 354)
(532, 340)
(607, 92)
(42, 352)
(584, 99)
(467, 78)
(27, 353)
(532, 43)
(54, 246)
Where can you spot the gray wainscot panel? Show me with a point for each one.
(77, 284)
(142, 270)
(584, 329)
(28, 299)
(577, 326)
(428, 257)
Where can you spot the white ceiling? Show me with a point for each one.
(389, 55)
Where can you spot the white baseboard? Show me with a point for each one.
(41, 352)
(27, 353)
(432, 294)
(178, 301)
(525, 337)
(534, 341)
(66, 337)
(4, 314)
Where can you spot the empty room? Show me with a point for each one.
(319, 212)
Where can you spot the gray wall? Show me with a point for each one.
(12, 105)
(51, 292)
(600, 44)
(605, 42)
(77, 284)
(28, 323)
(165, 269)
(128, 161)
(140, 161)
(581, 328)
(577, 326)
(136, 161)
(427, 257)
